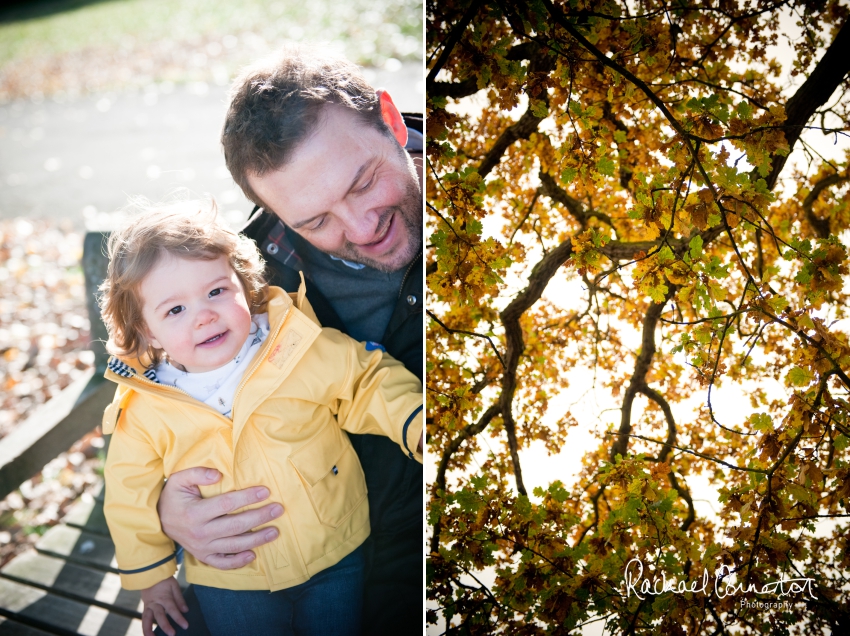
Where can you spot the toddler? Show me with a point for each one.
(215, 368)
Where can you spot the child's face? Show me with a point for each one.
(196, 311)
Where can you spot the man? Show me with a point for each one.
(322, 155)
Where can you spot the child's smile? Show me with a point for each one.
(196, 311)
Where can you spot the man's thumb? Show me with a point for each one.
(198, 476)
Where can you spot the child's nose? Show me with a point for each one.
(205, 317)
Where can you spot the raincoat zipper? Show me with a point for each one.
(258, 357)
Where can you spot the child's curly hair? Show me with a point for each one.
(188, 229)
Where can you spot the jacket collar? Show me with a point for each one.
(287, 342)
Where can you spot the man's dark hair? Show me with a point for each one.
(276, 103)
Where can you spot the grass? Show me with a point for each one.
(382, 27)
(368, 31)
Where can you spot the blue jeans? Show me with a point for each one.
(329, 603)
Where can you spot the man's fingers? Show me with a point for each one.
(230, 561)
(208, 511)
(233, 501)
(242, 542)
(240, 545)
(190, 478)
(228, 526)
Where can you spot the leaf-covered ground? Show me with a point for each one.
(43, 500)
(44, 335)
(43, 323)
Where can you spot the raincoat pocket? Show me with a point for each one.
(331, 473)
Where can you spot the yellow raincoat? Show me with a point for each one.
(304, 385)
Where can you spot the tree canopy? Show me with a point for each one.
(637, 152)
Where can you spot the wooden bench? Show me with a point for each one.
(69, 584)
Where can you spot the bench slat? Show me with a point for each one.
(54, 613)
(82, 583)
(9, 627)
(79, 546)
(87, 514)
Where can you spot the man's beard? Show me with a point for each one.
(409, 213)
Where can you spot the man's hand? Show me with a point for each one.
(161, 599)
(205, 528)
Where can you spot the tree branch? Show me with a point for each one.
(469, 86)
(821, 226)
(656, 397)
(440, 481)
(814, 93)
(522, 129)
(638, 379)
(537, 281)
(456, 90)
(467, 333)
(454, 38)
(576, 209)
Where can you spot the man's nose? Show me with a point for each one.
(361, 225)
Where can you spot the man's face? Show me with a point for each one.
(351, 191)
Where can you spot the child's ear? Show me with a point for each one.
(153, 342)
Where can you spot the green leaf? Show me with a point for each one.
(665, 255)
(744, 110)
(568, 175)
(805, 321)
(777, 303)
(606, 166)
(761, 422)
(799, 377)
(447, 149)
(696, 247)
(761, 184)
(658, 293)
(539, 108)
(804, 276)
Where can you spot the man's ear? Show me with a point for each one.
(392, 117)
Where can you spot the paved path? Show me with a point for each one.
(80, 159)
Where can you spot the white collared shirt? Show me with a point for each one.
(217, 388)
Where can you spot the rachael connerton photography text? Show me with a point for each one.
(722, 587)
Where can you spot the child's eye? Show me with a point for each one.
(216, 291)
(176, 310)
